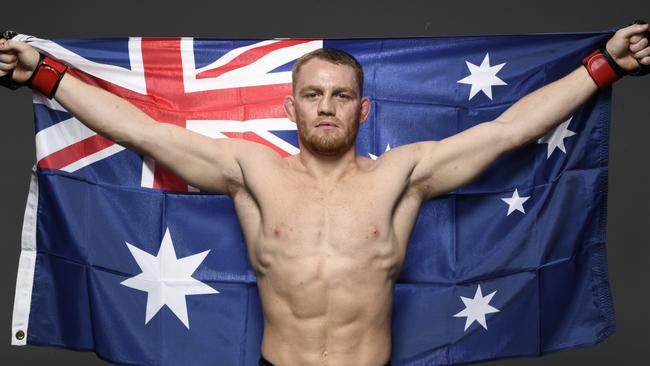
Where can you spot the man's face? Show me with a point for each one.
(327, 107)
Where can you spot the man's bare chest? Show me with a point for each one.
(327, 215)
(337, 232)
(292, 219)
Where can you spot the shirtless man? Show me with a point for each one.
(327, 230)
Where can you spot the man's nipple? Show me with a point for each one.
(373, 231)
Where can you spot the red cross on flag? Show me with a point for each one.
(238, 95)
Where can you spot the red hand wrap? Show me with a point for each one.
(47, 76)
(600, 70)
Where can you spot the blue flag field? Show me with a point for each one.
(122, 258)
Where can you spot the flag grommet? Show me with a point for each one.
(20, 335)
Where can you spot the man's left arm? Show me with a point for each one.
(443, 166)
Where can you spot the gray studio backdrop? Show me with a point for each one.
(628, 237)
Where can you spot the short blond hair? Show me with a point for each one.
(334, 56)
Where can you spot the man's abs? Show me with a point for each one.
(322, 310)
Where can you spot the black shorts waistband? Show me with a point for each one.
(265, 362)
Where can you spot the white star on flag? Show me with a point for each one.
(167, 280)
(483, 77)
(375, 157)
(515, 203)
(477, 308)
(555, 138)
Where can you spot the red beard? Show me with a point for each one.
(330, 144)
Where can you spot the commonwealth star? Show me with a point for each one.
(167, 280)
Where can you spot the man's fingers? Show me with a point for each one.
(7, 66)
(7, 45)
(639, 45)
(645, 61)
(8, 58)
(643, 53)
(630, 31)
(7, 61)
(3, 46)
(636, 38)
(2, 73)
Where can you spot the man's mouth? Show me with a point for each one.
(326, 125)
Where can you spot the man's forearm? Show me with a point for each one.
(103, 112)
(540, 111)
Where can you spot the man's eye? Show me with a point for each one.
(311, 95)
(344, 96)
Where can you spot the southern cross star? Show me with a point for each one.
(476, 308)
(167, 280)
(515, 203)
(483, 77)
(555, 138)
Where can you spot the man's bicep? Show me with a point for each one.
(445, 165)
(211, 165)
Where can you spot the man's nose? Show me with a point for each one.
(326, 107)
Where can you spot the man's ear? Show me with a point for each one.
(290, 108)
(365, 109)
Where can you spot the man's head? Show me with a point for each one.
(327, 103)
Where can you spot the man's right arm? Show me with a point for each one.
(208, 164)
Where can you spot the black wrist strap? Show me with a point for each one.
(610, 60)
(8, 34)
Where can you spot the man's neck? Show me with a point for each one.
(328, 168)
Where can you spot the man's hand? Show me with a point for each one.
(19, 57)
(629, 47)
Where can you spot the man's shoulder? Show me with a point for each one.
(253, 154)
(402, 157)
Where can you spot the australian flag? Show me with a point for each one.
(122, 258)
